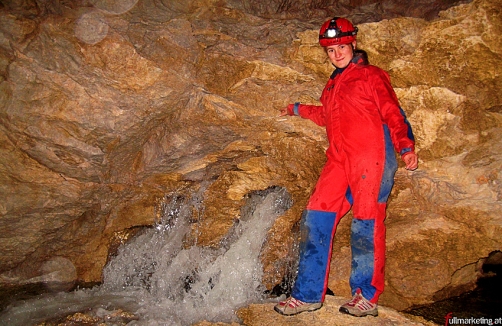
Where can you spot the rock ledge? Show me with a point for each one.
(264, 314)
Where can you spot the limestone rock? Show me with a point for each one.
(105, 111)
(328, 315)
(264, 314)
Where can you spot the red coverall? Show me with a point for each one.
(364, 124)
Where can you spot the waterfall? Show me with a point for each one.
(161, 282)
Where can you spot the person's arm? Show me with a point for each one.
(311, 112)
(395, 118)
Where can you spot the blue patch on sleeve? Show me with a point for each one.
(410, 131)
(295, 108)
(390, 168)
(349, 197)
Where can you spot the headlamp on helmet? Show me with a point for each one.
(337, 31)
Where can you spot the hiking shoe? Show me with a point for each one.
(359, 306)
(293, 306)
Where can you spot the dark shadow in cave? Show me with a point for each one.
(482, 302)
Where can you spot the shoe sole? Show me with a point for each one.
(346, 311)
(296, 313)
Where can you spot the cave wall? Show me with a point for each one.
(105, 110)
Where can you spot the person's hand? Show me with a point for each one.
(411, 161)
(284, 111)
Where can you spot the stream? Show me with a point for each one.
(155, 280)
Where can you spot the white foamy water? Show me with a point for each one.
(162, 283)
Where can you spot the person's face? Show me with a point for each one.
(340, 55)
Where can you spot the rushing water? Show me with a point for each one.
(156, 280)
(161, 282)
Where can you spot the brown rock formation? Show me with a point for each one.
(104, 111)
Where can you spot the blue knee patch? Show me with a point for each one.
(363, 256)
(315, 249)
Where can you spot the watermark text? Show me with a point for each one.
(451, 320)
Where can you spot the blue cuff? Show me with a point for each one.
(295, 108)
(404, 151)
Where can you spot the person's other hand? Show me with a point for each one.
(411, 161)
(283, 112)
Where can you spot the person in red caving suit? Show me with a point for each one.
(364, 124)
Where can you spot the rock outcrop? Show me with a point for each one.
(106, 110)
(264, 314)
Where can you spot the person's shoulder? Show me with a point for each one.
(373, 70)
(371, 74)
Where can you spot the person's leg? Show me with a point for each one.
(368, 263)
(317, 229)
(326, 206)
(371, 187)
(368, 257)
